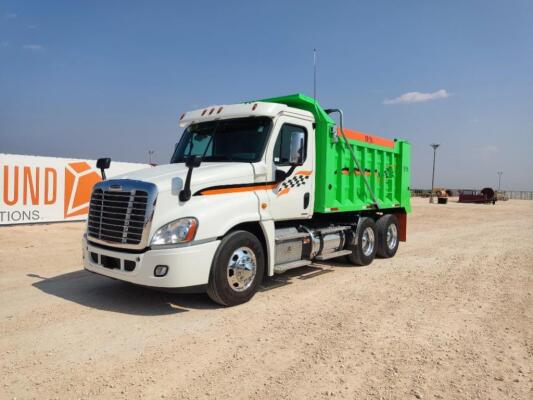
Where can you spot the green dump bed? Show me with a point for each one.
(339, 184)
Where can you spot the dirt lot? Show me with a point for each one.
(451, 316)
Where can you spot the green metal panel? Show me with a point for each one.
(339, 186)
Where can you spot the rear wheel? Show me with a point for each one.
(237, 270)
(365, 251)
(388, 236)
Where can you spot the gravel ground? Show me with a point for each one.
(451, 316)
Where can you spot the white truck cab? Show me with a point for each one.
(229, 208)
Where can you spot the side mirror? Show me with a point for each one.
(102, 164)
(193, 161)
(296, 151)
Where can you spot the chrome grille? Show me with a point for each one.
(119, 213)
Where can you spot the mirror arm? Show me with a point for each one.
(185, 193)
(291, 170)
(282, 175)
(191, 162)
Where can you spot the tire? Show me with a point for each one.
(232, 280)
(365, 251)
(388, 236)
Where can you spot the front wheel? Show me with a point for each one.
(237, 269)
(364, 252)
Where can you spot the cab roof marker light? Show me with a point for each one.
(254, 107)
(220, 110)
(182, 116)
(211, 112)
(203, 112)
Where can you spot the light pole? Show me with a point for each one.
(500, 173)
(435, 146)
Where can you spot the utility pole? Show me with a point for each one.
(435, 146)
(314, 74)
(500, 173)
(150, 154)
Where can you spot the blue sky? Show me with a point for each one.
(90, 79)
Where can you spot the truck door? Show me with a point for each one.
(293, 196)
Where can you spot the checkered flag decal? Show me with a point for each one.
(300, 179)
(296, 181)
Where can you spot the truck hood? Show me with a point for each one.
(171, 177)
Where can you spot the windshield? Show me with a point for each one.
(233, 140)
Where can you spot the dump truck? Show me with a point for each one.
(252, 190)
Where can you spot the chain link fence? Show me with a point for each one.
(509, 194)
(518, 194)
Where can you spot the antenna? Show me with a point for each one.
(314, 75)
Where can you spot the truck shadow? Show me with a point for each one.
(107, 294)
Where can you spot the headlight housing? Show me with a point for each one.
(181, 230)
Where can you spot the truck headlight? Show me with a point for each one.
(179, 231)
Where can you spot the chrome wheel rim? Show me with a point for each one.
(242, 268)
(368, 241)
(392, 236)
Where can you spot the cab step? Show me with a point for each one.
(281, 268)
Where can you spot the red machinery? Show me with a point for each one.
(486, 195)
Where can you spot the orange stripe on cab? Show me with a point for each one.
(238, 189)
(363, 137)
